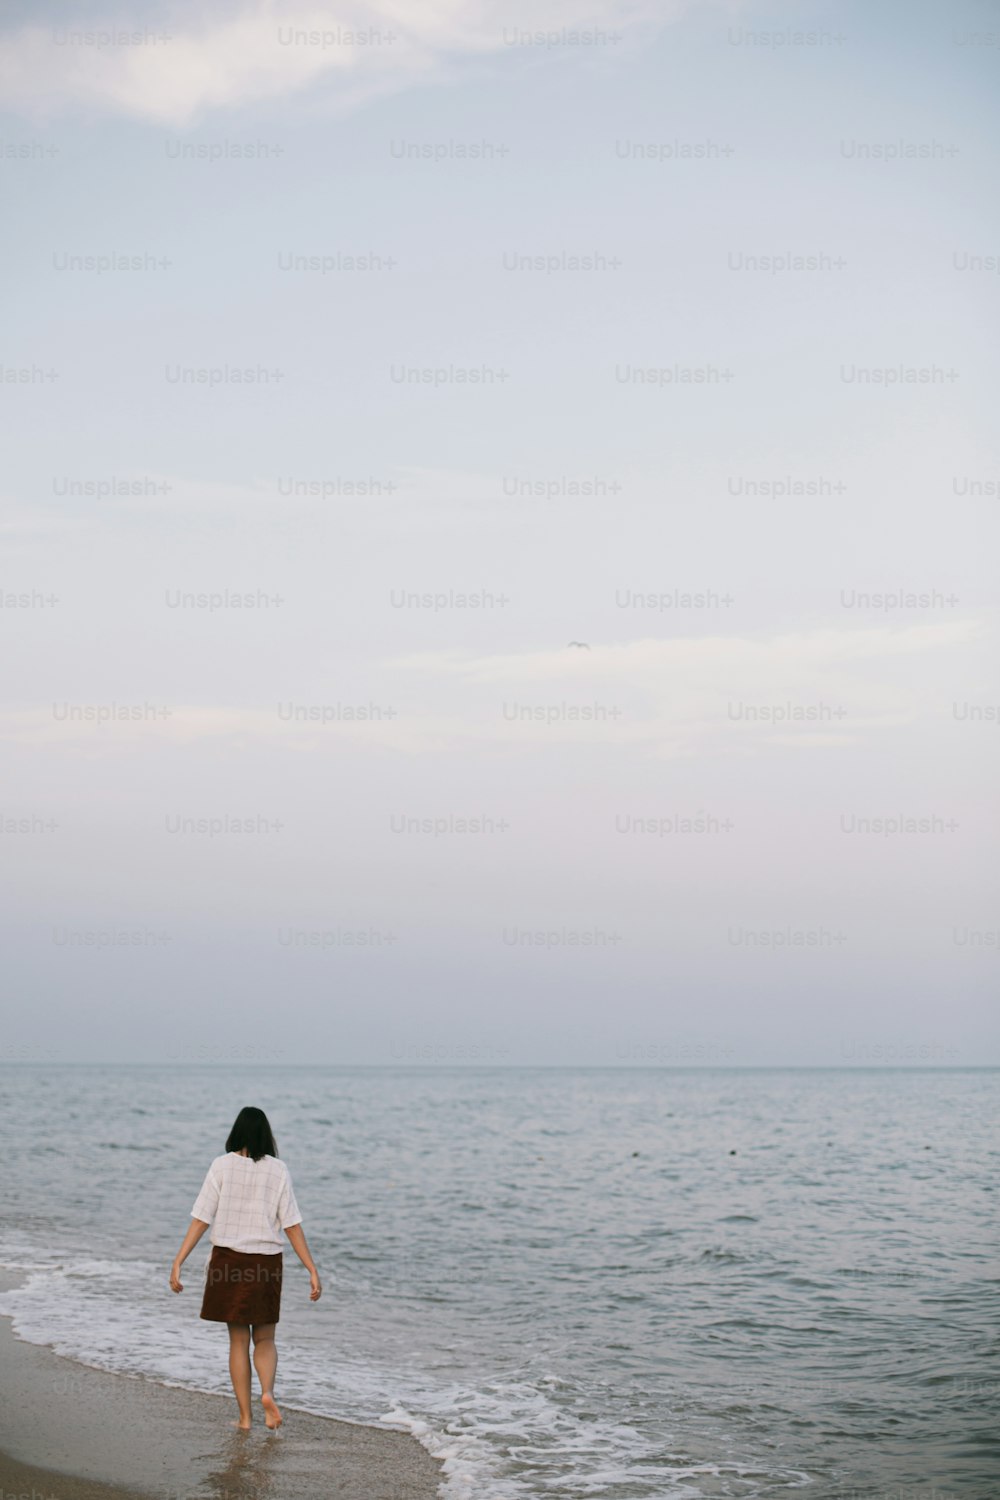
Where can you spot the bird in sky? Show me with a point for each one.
(582, 645)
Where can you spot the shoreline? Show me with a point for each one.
(72, 1432)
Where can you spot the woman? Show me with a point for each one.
(248, 1199)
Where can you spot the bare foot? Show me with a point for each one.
(243, 1426)
(272, 1416)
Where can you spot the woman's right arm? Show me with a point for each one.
(202, 1215)
(297, 1240)
(196, 1229)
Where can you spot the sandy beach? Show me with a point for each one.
(68, 1432)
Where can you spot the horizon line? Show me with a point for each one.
(429, 1067)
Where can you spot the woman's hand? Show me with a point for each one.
(297, 1240)
(176, 1285)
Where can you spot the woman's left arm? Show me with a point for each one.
(194, 1234)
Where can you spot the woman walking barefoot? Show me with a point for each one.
(247, 1198)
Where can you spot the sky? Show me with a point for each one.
(499, 526)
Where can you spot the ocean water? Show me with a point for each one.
(574, 1284)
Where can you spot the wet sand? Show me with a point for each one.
(68, 1432)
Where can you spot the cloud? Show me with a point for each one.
(27, 529)
(818, 689)
(644, 661)
(188, 60)
(133, 723)
(664, 698)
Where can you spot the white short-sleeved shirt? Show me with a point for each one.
(248, 1203)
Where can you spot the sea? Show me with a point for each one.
(568, 1284)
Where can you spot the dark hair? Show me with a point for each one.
(251, 1129)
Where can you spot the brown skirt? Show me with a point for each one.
(242, 1287)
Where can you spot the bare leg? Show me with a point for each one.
(239, 1370)
(265, 1358)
